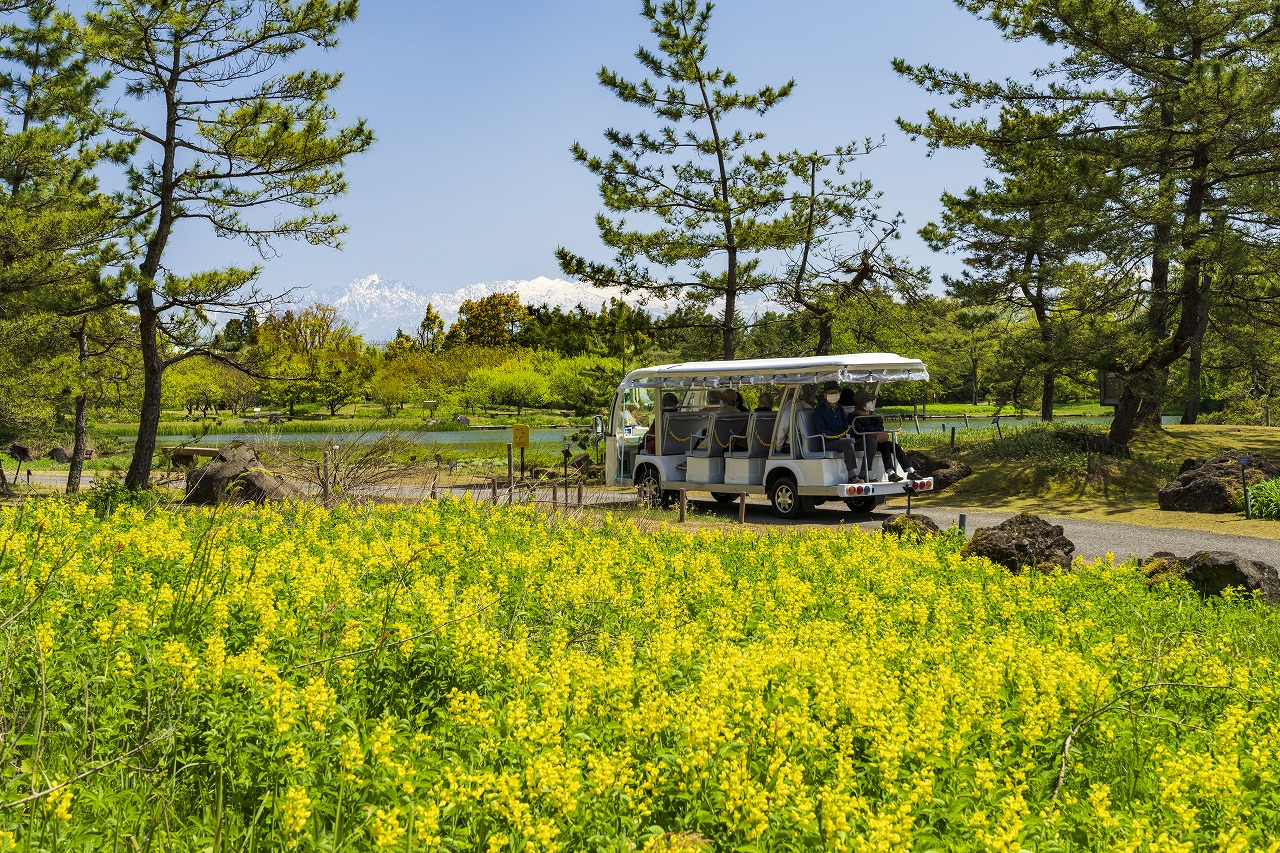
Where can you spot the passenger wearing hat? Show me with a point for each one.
(869, 433)
(731, 401)
(830, 421)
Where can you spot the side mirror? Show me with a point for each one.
(597, 424)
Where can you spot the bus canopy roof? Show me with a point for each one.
(853, 367)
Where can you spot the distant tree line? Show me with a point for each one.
(1129, 222)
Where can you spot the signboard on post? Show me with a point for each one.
(520, 436)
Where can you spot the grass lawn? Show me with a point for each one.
(1105, 488)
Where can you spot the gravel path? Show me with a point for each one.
(1092, 538)
(1096, 538)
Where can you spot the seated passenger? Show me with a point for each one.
(669, 404)
(783, 424)
(869, 432)
(731, 402)
(830, 422)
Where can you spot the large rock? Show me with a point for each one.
(1160, 567)
(910, 526)
(1213, 571)
(235, 476)
(1213, 485)
(1020, 542)
(60, 455)
(944, 472)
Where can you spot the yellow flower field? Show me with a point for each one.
(455, 677)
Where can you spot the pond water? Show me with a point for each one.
(455, 438)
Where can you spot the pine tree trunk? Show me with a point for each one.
(1046, 396)
(139, 474)
(1191, 405)
(81, 424)
(1141, 405)
(824, 335)
(78, 445)
(730, 304)
(1195, 363)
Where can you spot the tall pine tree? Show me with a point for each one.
(227, 139)
(1178, 100)
(712, 194)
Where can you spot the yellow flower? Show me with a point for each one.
(58, 803)
(44, 640)
(386, 827)
(295, 811)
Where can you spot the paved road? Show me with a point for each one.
(1091, 538)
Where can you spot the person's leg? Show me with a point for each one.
(905, 463)
(845, 447)
(870, 446)
(886, 456)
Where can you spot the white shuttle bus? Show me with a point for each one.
(671, 430)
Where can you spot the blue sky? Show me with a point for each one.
(475, 103)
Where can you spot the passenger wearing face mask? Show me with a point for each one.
(830, 421)
(869, 431)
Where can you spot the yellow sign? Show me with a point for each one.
(520, 435)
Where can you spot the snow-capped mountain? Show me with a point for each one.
(378, 306)
(375, 306)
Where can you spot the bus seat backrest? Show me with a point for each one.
(725, 427)
(682, 430)
(760, 433)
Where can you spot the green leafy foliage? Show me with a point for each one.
(1264, 499)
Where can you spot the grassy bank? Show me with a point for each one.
(1033, 470)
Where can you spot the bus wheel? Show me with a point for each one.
(784, 497)
(649, 488)
(724, 497)
(861, 504)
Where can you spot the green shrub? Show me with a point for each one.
(1264, 499)
(108, 494)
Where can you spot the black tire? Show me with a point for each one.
(724, 497)
(649, 488)
(861, 504)
(785, 498)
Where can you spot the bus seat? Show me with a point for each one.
(719, 434)
(681, 431)
(813, 445)
(758, 436)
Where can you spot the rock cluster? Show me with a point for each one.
(944, 472)
(235, 476)
(1211, 572)
(1021, 542)
(910, 526)
(21, 452)
(1214, 484)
